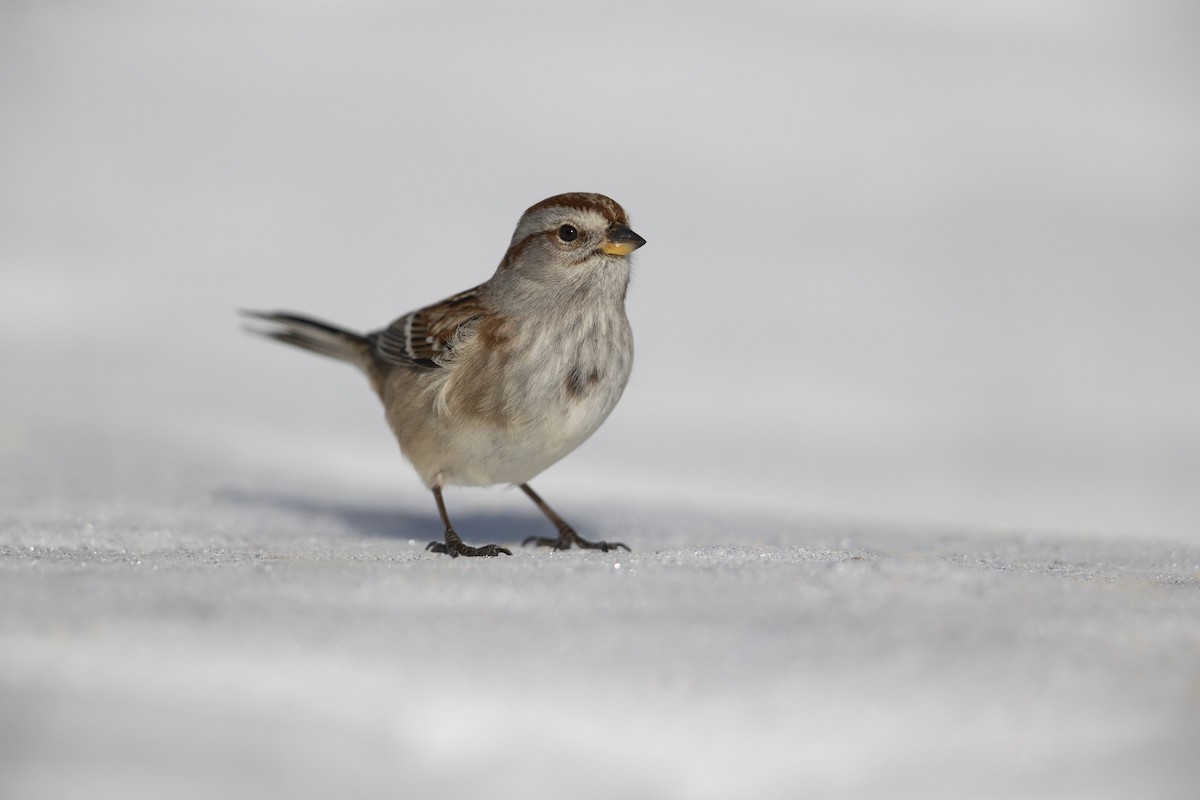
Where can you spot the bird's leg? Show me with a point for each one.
(454, 546)
(566, 534)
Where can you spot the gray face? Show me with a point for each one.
(575, 246)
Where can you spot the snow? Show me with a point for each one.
(908, 461)
(213, 632)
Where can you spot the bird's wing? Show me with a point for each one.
(423, 337)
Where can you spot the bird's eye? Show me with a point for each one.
(568, 233)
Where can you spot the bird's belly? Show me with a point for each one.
(487, 420)
(486, 454)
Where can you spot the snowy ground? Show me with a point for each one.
(216, 634)
(908, 464)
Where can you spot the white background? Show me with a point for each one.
(925, 268)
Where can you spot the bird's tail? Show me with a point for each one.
(314, 335)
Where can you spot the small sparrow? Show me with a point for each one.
(495, 384)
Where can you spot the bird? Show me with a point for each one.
(495, 384)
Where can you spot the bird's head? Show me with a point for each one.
(578, 242)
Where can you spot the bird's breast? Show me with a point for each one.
(506, 409)
(574, 370)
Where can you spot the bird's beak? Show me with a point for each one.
(621, 241)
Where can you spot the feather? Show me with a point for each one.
(426, 336)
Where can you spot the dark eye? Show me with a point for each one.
(568, 233)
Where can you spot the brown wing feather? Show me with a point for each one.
(422, 337)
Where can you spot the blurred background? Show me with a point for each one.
(923, 262)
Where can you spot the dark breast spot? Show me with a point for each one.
(580, 380)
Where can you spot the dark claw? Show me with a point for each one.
(490, 550)
(565, 541)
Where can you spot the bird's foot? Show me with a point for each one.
(568, 538)
(454, 547)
